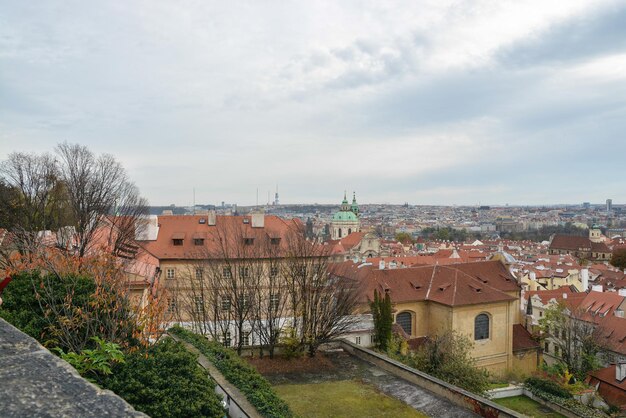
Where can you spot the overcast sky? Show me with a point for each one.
(432, 102)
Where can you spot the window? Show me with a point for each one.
(245, 338)
(178, 241)
(556, 351)
(199, 301)
(169, 273)
(357, 340)
(244, 301)
(563, 334)
(481, 327)
(248, 241)
(546, 347)
(198, 241)
(274, 301)
(226, 303)
(273, 271)
(199, 271)
(373, 338)
(171, 305)
(244, 272)
(275, 241)
(227, 273)
(405, 321)
(540, 314)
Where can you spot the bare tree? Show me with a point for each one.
(35, 184)
(322, 304)
(98, 187)
(270, 303)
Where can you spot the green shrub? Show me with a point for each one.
(165, 381)
(22, 308)
(95, 363)
(237, 371)
(446, 357)
(292, 346)
(547, 386)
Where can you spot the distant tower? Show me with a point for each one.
(609, 205)
(276, 196)
(354, 207)
(595, 235)
(309, 228)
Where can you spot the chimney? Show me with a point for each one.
(564, 295)
(211, 218)
(622, 292)
(381, 265)
(258, 220)
(597, 288)
(584, 279)
(620, 371)
(533, 276)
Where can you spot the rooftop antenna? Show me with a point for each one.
(194, 200)
(257, 197)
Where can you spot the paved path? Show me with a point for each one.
(347, 367)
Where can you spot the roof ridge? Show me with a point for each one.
(430, 284)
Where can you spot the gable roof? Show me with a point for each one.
(570, 242)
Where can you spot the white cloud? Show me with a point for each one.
(295, 93)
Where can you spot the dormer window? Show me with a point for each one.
(198, 241)
(177, 238)
(275, 241)
(248, 241)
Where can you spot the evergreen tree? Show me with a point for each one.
(383, 319)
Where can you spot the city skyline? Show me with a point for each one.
(432, 103)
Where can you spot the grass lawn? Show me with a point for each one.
(498, 385)
(343, 398)
(527, 407)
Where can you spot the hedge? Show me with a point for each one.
(547, 386)
(550, 391)
(238, 372)
(165, 381)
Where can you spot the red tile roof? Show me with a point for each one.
(522, 339)
(610, 388)
(235, 227)
(612, 333)
(452, 285)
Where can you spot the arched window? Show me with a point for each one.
(349, 231)
(339, 232)
(481, 327)
(405, 320)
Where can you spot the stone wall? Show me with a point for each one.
(36, 383)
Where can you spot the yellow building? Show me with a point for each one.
(479, 300)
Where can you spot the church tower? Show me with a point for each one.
(595, 234)
(346, 221)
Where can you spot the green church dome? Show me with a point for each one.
(345, 216)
